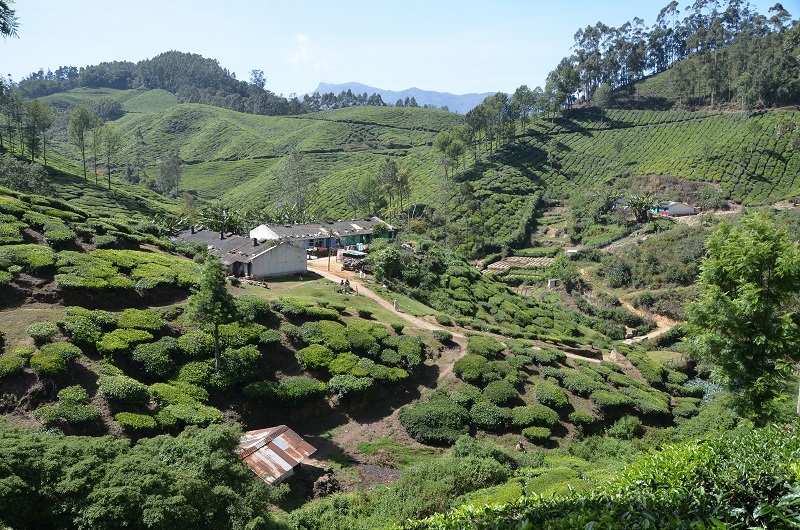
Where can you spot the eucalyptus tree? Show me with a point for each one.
(40, 116)
(112, 140)
(79, 124)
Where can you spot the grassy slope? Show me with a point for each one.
(237, 157)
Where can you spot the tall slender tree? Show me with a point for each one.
(211, 304)
(79, 124)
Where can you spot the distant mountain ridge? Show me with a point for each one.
(461, 103)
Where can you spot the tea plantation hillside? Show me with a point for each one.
(239, 158)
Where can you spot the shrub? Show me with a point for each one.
(145, 319)
(104, 241)
(188, 414)
(123, 389)
(347, 384)
(289, 330)
(398, 328)
(177, 392)
(410, 349)
(390, 357)
(24, 352)
(11, 366)
(466, 395)
(315, 356)
(252, 308)
(651, 370)
(343, 363)
(156, 358)
(196, 344)
(484, 346)
(197, 373)
(121, 341)
(470, 367)
(579, 383)
(269, 337)
(580, 417)
(676, 378)
(499, 392)
(42, 331)
(550, 394)
(74, 412)
(66, 350)
(326, 332)
(487, 415)
(625, 428)
(136, 422)
(536, 434)
(608, 399)
(364, 313)
(240, 363)
(647, 401)
(436, 421)
(443, 320)
(534, 415)
(442, 335)
(238, 334)
(296, 389)
(48, 364)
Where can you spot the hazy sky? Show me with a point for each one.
(448, 46)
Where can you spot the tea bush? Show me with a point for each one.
(466, 395)
(606, 399)
(471, 367)
(48, 364)
(66, 350)
(437, 421)
(581, 418)
(156, 359)
(550, 394)
(120, 341)
(145, 319)
(188, 414)
(123, 389)
(442, 335)
(484, 346)
(315, 356)
(135, 422)
(196, 344)
(11, 365)
(536, 434)
(347, 384)
(626, 428)
(500, 392)
(42, 331)
(296, 389)
(487, 415)
(536, 414)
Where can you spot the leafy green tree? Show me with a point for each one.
(640, 205)
(745, 319)
(79, 124)
(298, 184)
(112, 141)
(96, 138)
(169, 173)
(40, 114)
(602, 99)
(211, 304)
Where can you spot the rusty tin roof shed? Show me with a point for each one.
(274, 452)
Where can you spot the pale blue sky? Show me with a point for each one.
(448, 46)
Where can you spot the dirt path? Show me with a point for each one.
(663, 324)
(348, 435)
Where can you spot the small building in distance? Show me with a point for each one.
(331, 234)
(676, 209)
(273, 453)
(244, 256)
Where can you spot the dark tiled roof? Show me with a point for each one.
(230, 249)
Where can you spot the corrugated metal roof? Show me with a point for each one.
(272, 453)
